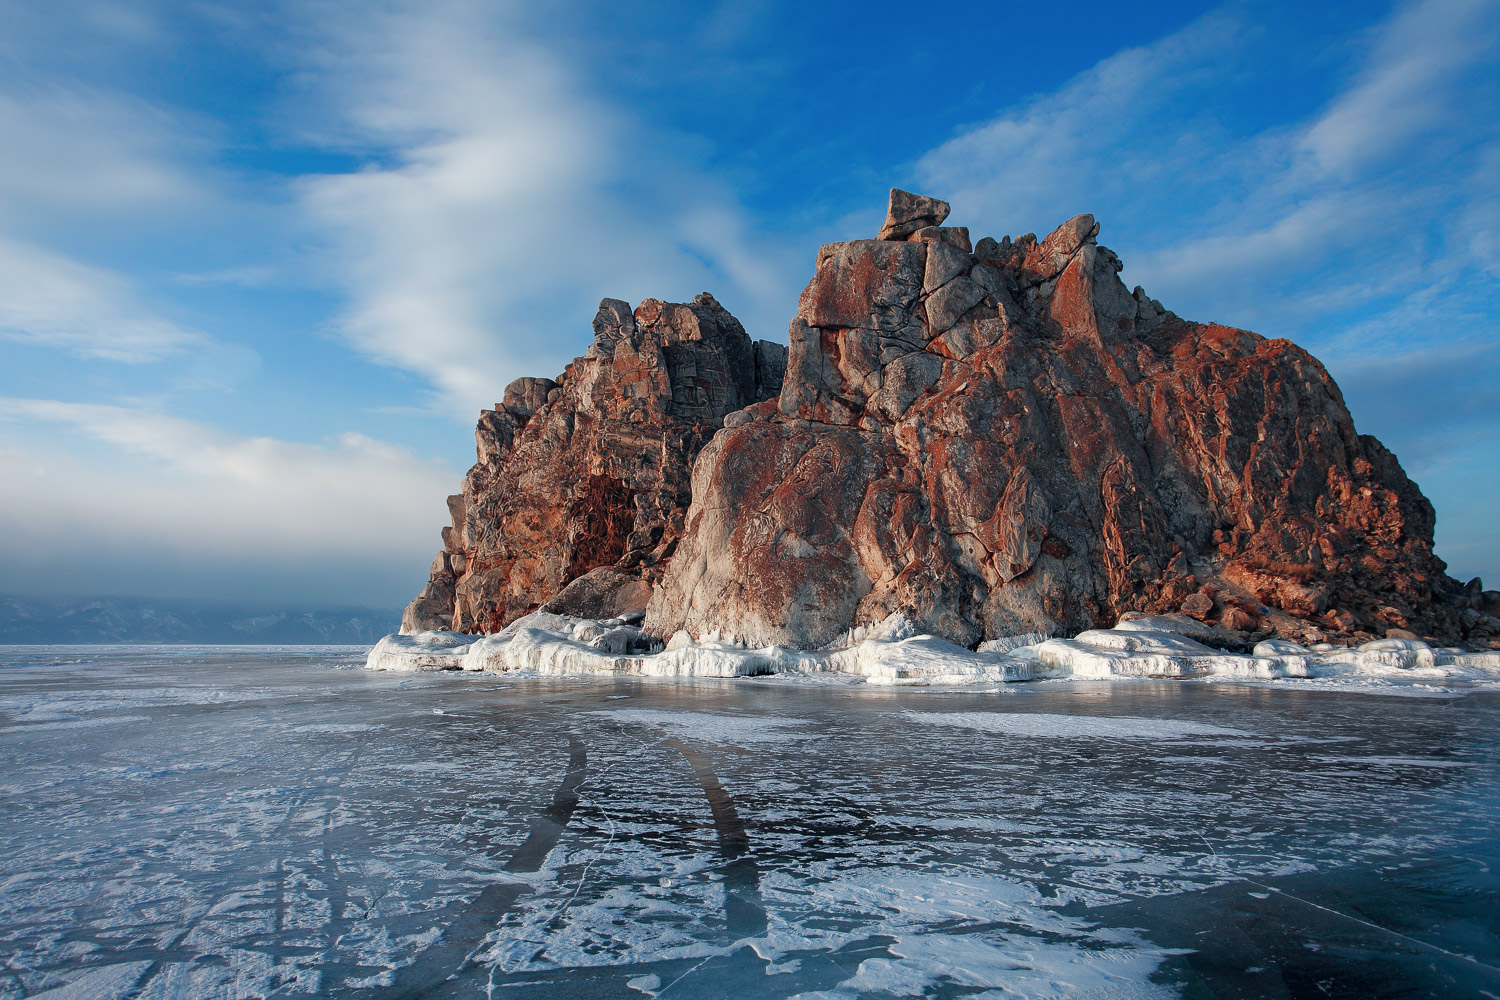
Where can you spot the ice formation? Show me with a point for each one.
(892, 653)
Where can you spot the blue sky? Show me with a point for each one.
(262, 263)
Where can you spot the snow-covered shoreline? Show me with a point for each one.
(892, 653)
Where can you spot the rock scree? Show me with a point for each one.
(989, 439)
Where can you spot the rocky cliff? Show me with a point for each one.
(990, 439)
(581, 486)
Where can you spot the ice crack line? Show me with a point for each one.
(1218, 863)
(454, 954)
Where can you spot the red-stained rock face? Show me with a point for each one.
(1009, 441)
(991, 441)
(584, 480)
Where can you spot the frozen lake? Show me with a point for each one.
(244, 822)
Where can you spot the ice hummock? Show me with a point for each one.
(892, 652)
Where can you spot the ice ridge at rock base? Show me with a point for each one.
(893, 653)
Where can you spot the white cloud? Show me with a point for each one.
(75, 152)
(1278, 229)
(50, 300)
(1413, 74)
(78, 480)
(504, 202)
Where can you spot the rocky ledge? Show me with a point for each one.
(978, 440)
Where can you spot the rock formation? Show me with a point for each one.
(989, 439)
(581, 485)
(1002, 439)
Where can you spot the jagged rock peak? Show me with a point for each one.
(1006, 440)
(582, 482)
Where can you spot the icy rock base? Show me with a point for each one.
(891, 653)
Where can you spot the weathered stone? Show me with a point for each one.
(903, 380)
(944, 263)
(948, 303)
(1237, 619)
(1302, 601)
(1198, 606)
(614, 322)
(865, 283)
(1013, 442)
(1052, 254)
(525, 396)
(993, 443)
(909, 212)
(600, 594)
(957, 236)
(969, 336)
(582, 484)
(770, 368)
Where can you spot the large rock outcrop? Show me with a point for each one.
(1003, 439)
(581, 486)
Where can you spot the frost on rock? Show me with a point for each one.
(891, 652)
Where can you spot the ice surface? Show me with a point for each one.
(237, 823)
(112, 982)
(422, 651)
(892, 653)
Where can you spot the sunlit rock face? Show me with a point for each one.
(581, 486)
(1002, 438)
(988, 439)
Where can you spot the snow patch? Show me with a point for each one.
(108, 983)
(1038, 724)
(714, 727)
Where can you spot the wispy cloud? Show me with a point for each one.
(250, 276)
(502, 200)
(1134, 116)
(82, 164)
(1411, 85)
(74, 151)
(1367, 200)
(50, 300)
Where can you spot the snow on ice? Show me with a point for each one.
(892, 653)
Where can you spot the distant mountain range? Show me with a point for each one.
(145, 620)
